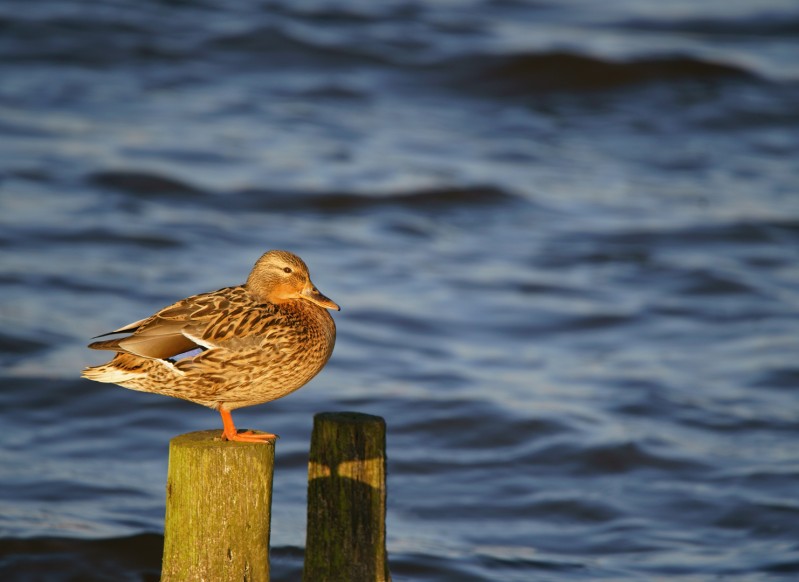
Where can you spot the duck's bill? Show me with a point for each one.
(312, 294)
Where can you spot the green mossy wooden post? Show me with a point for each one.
(218, 503)
(346, 530)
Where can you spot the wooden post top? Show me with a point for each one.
(213, 438)
(349, 417)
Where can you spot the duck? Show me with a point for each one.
(231, 348)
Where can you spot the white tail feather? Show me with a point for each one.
(110, 374)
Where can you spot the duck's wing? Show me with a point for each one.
(198, 321)
(129, 328)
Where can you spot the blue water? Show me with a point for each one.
(565, 240)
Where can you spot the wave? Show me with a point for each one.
(769, 24)
(142, 183)
(335, 202)
(292, 49)
(16, 345)
(295, 38)
(155, 185)
(136, 557)
(521, 74)
(78, 40)
(765, 231)
(610, 458)
(112, 40)
(72, 559)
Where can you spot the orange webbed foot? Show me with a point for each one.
(229, 432)
(248, 436)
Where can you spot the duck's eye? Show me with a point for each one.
(287, 269)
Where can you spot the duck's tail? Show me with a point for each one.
(122, 370)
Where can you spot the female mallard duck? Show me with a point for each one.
(231, 348)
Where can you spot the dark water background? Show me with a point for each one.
(565, 237)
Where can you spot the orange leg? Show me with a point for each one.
(229, 432)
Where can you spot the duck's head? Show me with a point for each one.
(280, 276)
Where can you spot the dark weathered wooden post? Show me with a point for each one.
(346, 530)
(218, 505)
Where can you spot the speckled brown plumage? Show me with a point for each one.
(230, 348)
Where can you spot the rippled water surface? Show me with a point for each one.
(565, 241)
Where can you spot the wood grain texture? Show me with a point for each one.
(218, 507)
(346, 529)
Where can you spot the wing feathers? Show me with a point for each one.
(160, 346)
(225, 318)
(129, 328)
